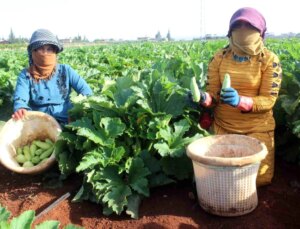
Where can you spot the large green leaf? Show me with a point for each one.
(51, 224)
(179, 167)
(289, 103)
(85, 128)
(113, 126)
(116, 199)
(67, 160)
(133, 206)
(23, 221)
(90, 160)
(4, 225)
(4, 214)
(137, 177)
(173, 142)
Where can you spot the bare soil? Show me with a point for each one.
(171, 206)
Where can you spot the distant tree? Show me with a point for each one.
(21, 40)
(85, 39)
(11, 37)
(77, 38)
(158, 36)
(80, 39)
(169, 36)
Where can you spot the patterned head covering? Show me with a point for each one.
(42, 37)
(250, 15)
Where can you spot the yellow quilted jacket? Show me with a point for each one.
(258, 78)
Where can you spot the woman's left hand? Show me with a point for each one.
(230, 96)
(19, 114)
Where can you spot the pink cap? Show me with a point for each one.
(250, 15)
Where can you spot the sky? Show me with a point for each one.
(130, 19)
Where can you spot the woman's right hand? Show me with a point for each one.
(19, 114)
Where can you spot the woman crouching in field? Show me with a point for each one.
(46, 85)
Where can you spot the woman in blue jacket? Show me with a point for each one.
(46, 85)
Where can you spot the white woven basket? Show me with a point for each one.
(225, 168)
(36, 125)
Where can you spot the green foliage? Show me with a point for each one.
(11, 63)
(25, 221)
(125, 138)
(131, 135)
(287, 109)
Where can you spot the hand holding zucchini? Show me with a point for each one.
(196, 95)
(229, 95)
(226, 82)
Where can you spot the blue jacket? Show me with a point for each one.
(50, 96)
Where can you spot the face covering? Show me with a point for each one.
(246, 42)
(43, 65)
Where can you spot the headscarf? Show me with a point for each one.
(250, 15)
(247, 41)
(42, 66)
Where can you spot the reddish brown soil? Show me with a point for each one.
(167, 207)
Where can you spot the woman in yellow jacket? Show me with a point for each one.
(255, 71)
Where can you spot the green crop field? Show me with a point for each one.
(131, 135)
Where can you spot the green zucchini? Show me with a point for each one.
(39, 152)
(195, 90)
(20, 158)
(46, 153)
(35, 160)
(42, 145)
(20, 150)
(32, 149)
(47, 140)
(226, 82)
(27, 164)
(26, 151)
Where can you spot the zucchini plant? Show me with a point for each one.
(25, 221)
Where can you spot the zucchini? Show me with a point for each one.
(20, 150)
(27, 164)
(26, 151)
(35, 160)
(34, 153)
(47, 140)
(32, 149)
(42, 161)
(46, 153)
(42, 145)
(226, 82)
(195, 90)
(38, 152)
(20, 158)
